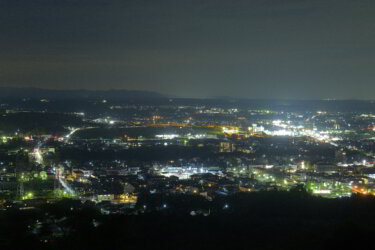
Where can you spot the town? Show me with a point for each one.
(113, 153)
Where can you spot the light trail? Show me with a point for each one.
(66, 186)
(67, 137)
(37, 154)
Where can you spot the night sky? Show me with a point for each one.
(296, 49)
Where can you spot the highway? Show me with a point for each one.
(38, 156)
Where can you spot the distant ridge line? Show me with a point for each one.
(12, 92)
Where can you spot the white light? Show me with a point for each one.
(167, 136)
(323, 191)
(230, 131)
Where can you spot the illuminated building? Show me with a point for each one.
(226, 147)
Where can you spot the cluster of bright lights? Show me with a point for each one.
(290, 130)
(322, 191)
(105, 120)
(28, 196)
(167, 136)
(282, 132)
(196, 136)
(230, 130)
(184, 172)
(5, 139)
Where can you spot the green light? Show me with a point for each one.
(28, 196)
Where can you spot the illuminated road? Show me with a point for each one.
(37, 154)
(39, 159)
(66, 186)
(67, 137)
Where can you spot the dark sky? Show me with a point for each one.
(295, 49)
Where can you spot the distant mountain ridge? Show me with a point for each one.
(8, 92)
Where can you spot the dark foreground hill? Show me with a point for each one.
(271, 220)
